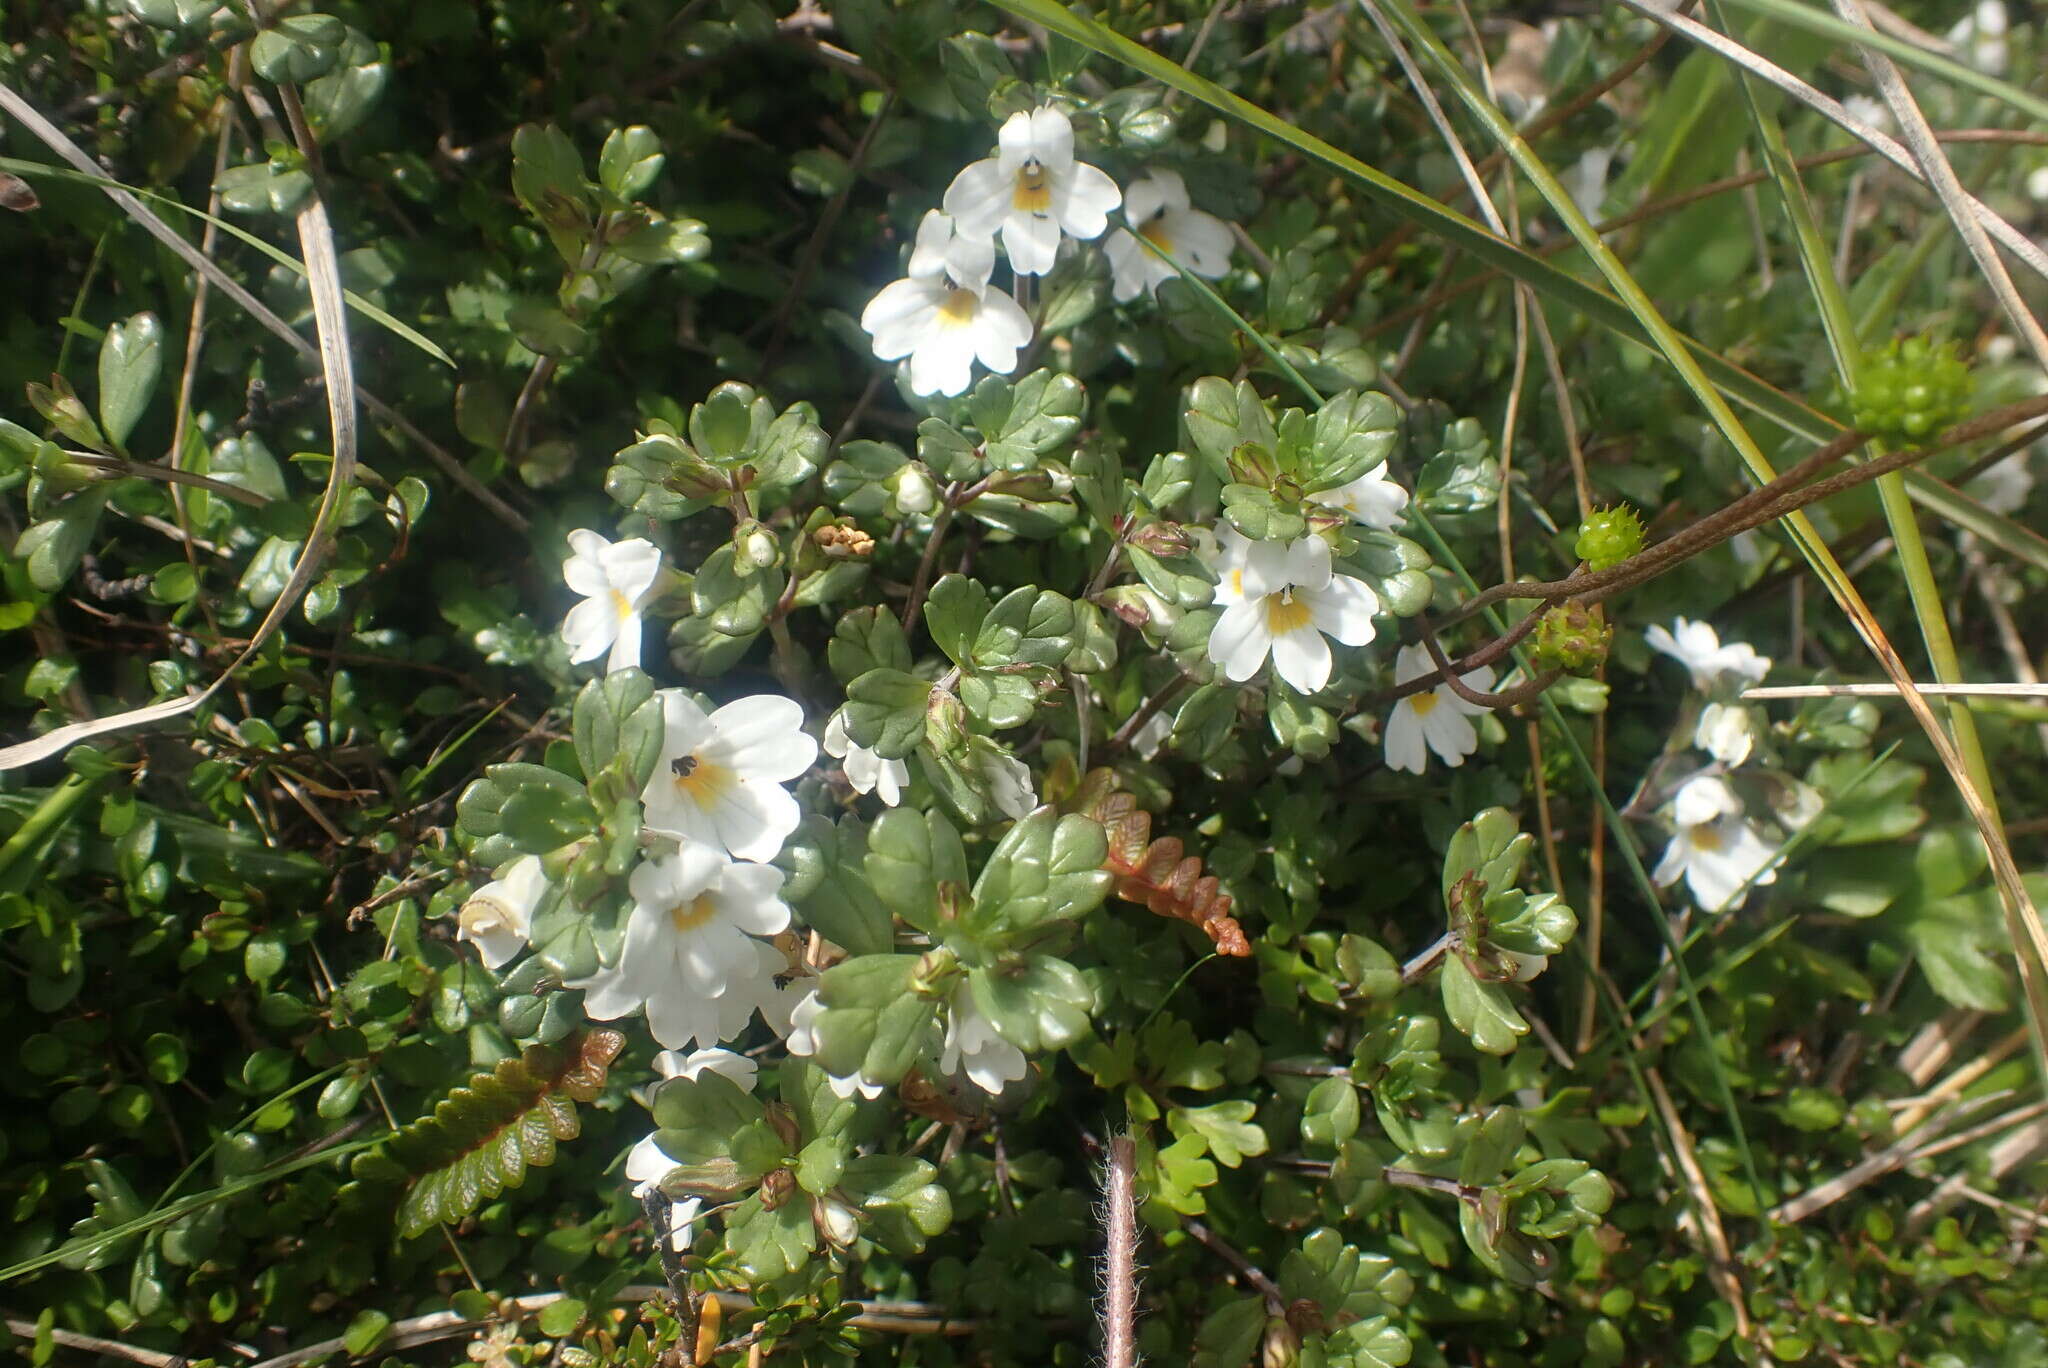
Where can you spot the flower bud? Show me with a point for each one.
(1163, 539)
(843, 541)
(777, 1187)
(912, 488)
(1137, 606)
(1608, 536)
(836, 1221)
(1571, 637)
(1280, 1347)
(945, 722)
(934, 972)
(753, 547)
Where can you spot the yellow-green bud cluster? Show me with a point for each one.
(1912, 387)
(1608, 537)
(1571, 637)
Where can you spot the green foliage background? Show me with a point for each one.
(228, 943)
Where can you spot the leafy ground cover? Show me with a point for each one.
(699, 683)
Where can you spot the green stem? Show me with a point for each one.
(42, 824)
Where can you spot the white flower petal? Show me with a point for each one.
(1402, 739)
(1302, 658)
(979, 197)
(1052, 138)
(1033, 241)
(1239, 641)
(1091, 197)
(1345, 610)
(762, 737)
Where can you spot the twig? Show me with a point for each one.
(1119, 1255)
(1892, 691)
(910, 1318)
(1276, 1303)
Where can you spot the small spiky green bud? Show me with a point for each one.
(1571, 637)
(1608, 537)
(1912, 387)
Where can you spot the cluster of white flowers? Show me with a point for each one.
(1281, 601)
(1715, 846)
(944, 314)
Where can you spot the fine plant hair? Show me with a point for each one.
(1117, 1213)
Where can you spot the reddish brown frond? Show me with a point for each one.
(1159, 875)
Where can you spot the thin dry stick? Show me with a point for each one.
(1120, 1255)
(1892, 691)
(1924, 1106)
(1963, 203)
(330, 319)
(55, 139)
(1941, 177)
(93, 1344)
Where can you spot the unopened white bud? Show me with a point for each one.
(913, 488)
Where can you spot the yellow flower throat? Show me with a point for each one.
(1032, 193)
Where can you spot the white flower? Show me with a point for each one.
(615, 581)
(1982, 37)
(913, 489)
(1438, 719)
(736, 1066)
(720, 777)
(1282, 600)
(647, 1164)
(974, 1048)
(1371, 500)
(1149, 739)
(841, 1222)
(1008, 780)
(1586, 182)
(1868, 111)
(943, 315)
(690, 955)
(1699, 649)
(1157, 207)
(1714, 847)
(867, 771)
(2037, 184)
(802, 1039)
(498, 916)
(1726, 731)
(1521, 968)
(2004, 487)
(1031, 191)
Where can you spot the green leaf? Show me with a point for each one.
(1331, 1114)
(732, 603)
(1047, 868)
(885, 711)
(1352, 434)
(910, 856)
(268, 187)
(166, 1057)
(1230, 1334)
(867, 639)
(617, 720)
(298, 48)
(131, 358)
(1482, 1011)
(843, 905)
(874, 1024)
(1037, 1004)
(339, 102)
(1029, 626)
(173, 14)
(953, 612)
(1226, 1128)
(631, 159)
(52, 548)
(1022, 422)
(556, 1318)
(367, 1330)
(771, 1244)
(543, 328)
(1221, 418)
